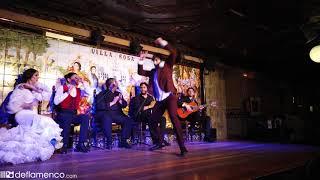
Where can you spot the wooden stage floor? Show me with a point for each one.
(219, 160)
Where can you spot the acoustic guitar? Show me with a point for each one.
(183, 112)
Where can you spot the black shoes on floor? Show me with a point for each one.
(81, 148)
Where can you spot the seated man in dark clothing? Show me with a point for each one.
(141, 109)
(109, 105)
(194, 112)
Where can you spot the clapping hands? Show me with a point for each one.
(116, 99)
(158, 41)
(31, 87)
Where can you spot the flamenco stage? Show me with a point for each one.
(219, 160)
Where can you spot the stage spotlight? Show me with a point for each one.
(315, 54)
(135, 47)
(97, 37)
(210, 64)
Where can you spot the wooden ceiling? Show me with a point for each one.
(255, 34)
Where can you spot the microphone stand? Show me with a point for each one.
(140, 128)
(93, 127)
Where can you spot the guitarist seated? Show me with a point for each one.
(193, 112)
(141, 110)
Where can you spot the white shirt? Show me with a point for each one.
(20, 96)
(159, 94)
(60, 95)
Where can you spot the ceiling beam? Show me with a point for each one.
(13, 17)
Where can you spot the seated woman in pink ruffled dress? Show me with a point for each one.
(36, 137)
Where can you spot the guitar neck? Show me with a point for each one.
(203, 105)
(195, 108)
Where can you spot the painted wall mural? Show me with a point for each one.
(54, 58)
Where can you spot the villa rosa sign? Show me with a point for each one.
(110, 54)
